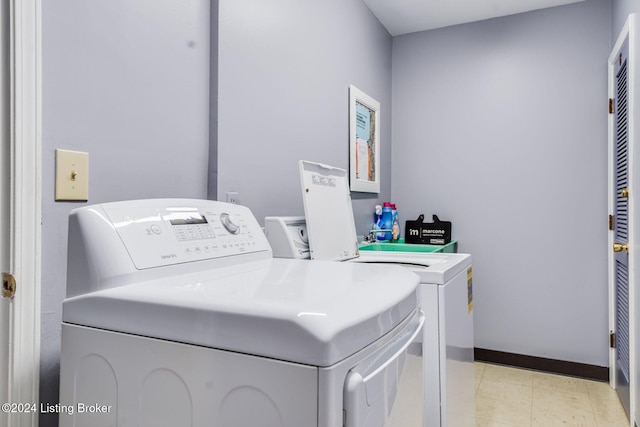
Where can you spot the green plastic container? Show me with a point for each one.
(401, 246)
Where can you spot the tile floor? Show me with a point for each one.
(510, 397)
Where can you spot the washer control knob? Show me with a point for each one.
(228, 224)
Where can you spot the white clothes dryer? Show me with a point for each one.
(445, 291)
(446, 299)
(177, 315)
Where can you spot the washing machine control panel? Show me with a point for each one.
(156, 236)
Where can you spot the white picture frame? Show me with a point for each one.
(364, 142)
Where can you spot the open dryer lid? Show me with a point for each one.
(327, 207)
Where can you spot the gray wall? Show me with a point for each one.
(500, 127)
(284, 71)
(128, 82)
(620, 10)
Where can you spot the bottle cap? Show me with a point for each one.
(387, 204)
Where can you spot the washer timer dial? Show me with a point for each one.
(228, 223)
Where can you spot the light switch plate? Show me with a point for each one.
(72, 175)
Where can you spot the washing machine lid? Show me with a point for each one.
(315, 313)
(327, 207)
(432, 268)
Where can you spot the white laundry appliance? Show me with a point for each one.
(177, 315)
(445, 291)
(445, 297)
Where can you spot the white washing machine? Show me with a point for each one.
(177, 315)
(445, 297)
(445, 290)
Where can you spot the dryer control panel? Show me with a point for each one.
(118, 243)
(157, 236)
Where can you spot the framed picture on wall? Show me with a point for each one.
(364, 142)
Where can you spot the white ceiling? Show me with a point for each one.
(408, 16)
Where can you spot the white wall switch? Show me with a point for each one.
(72, 175)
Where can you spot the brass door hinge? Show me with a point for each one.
(8, 285)
(611, 107)
(612, 339)
(610, 222)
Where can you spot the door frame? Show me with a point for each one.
(23, 329)
(5, 165)
(627, 35)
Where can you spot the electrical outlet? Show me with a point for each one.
(72, 175)
(232, 197)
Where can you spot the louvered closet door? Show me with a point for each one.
(621, 234)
